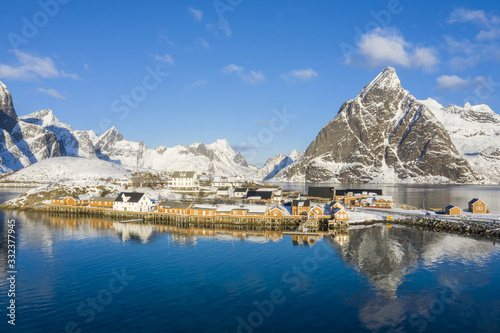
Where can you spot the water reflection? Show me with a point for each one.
(128, 231)
(387, 257)
(42, 229)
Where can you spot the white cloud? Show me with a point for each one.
(388, 47)
(231, 68)
(489, 22)
(462, 15)
(490, 34)
(52, 92)
(198, 83)
(31, 67)
(167, 58)
(202, 42)
(197, 14)
(451, 82)
(252, 77)
(454, 82)
(299, 75)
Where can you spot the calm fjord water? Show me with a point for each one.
(436, 196)
(102, 276)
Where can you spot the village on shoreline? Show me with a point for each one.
(234, 200)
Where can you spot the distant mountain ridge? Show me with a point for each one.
(383, 135)
(40, 135)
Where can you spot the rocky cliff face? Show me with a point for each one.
(21, 143)
(384, 134)
(8, 116)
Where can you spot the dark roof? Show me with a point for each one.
(103, 199)
(134, 196)
(336, 210)
(173, 204)
(241, 189)
(358, 191)
(450, 207)
(223, 189)
(295, 203)
(321, 192)
(262, 194)
(473, 201)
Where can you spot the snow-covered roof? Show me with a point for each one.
(227, 208)
(201, 206)
(256, 209)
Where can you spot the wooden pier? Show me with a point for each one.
(266, 222)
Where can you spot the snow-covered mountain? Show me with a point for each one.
(71, 168)
(275, 164)
(475, 131)
(40, 135)
(383, 135)
(215, 158)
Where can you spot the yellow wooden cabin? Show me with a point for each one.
(477, 206)
(452, 210)
(300, 207)
(202, 210)
(57, 200)
(102, 202)
(340, 215)
(315, 211)
(275, 211)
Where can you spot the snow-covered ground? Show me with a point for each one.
(69, 168)
(399, 213)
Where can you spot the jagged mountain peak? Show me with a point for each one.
(5, 97)
(8, 116)
(44, 118)
(386, 81)
(384, 134)
(294, 154)
(111, 134)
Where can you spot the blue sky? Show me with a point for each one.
(265, 75)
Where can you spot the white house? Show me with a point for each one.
(133, 202)
(184, 180)
(221, 181)
(240, 192)
(226, 192)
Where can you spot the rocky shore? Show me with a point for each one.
(476, 229)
